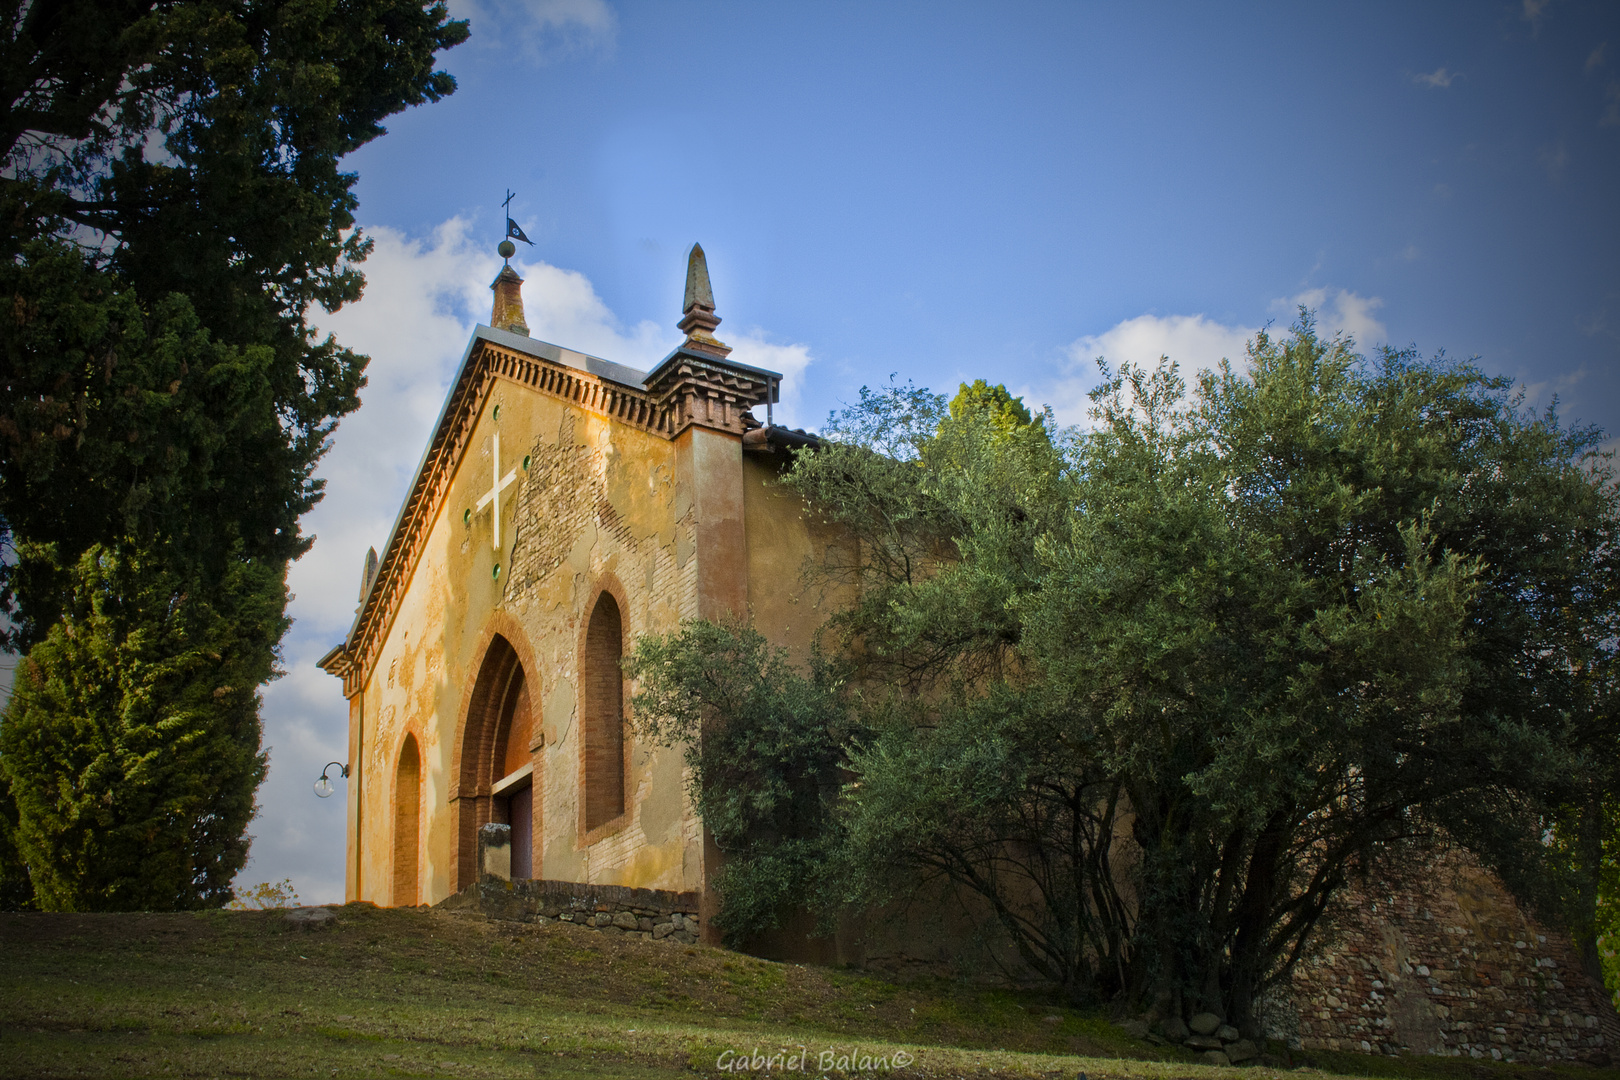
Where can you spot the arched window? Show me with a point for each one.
(407, 824)
(602, 770)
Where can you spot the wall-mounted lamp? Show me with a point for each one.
(323, 786)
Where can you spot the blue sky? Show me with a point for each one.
(949, 192)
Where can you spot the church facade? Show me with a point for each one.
(564, 506)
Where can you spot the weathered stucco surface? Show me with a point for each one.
(671, 528)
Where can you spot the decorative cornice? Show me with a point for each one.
(708, 390)
(687, 388)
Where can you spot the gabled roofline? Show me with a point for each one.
(687, 388)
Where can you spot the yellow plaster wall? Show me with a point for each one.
(783, 541)
(599, 503)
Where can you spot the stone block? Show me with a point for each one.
(602, 918)
(685, 937)
(495, 852)
(1174, 1028)
(306, 917)
(1204, 1023)
(1214, 1057)
(644, 923)
(1202, 1042)
(662, 930)
(1242, 1050)
(626, 921)
(1227, 1033)
(1136, 1029)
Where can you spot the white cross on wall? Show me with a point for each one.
(494, 495)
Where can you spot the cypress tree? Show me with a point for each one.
(172, 206)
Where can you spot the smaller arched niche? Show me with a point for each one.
(602, 748)
(408, 824)
(497, 774)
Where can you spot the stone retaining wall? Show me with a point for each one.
(1444, 962)
(653, 914)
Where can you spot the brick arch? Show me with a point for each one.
(407, 824)
(604, 745)
(503, 681)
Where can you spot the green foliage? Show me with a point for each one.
(763, 746)
(159, 151)
(174, 205)
(1153, 692)
(266, 895)
(131, 742)
(147, 415)
(16, 889)
(1605, 913)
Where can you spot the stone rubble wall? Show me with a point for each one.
(652, 914)
(1442, 961)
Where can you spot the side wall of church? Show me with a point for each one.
(784, 541)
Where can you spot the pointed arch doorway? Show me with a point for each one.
(496, 781)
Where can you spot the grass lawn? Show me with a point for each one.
(376, 993)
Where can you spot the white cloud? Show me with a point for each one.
(755, 348)
(1595, 58)
(1555, 159)
(542, 30)
(1562, 387)
(1611, 112)
(1194, 342)
(563, 308)
(1534, 11)
(1411, 252)
(1338, 311)
(422, 298)
(1438, 79)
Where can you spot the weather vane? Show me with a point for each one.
(507, 248)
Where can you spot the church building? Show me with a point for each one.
(565, 506)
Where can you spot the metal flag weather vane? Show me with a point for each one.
(512, 229)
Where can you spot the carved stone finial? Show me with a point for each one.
(698, 291)
(698, 317)
(368, 575)
(508, 313)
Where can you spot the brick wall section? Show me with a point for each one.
(652, 914)
(555, 503)
(1443, 962)
(603, 745)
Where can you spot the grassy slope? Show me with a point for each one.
(419, 993)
